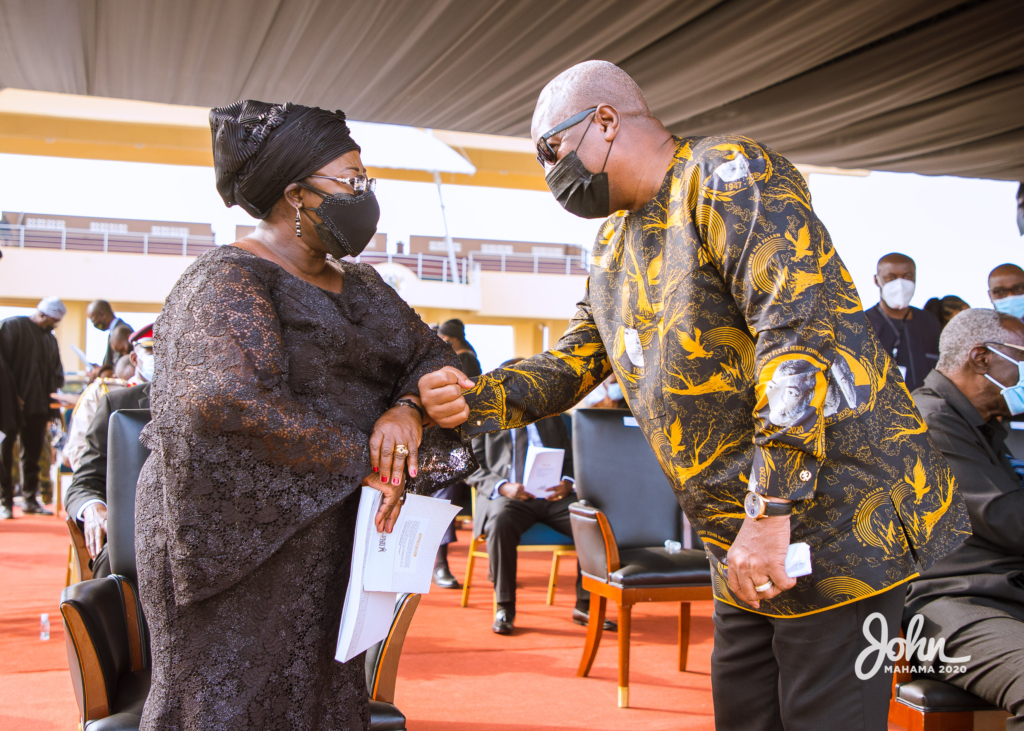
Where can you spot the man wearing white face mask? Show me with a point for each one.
(909, 335)
(1006, 289)
(87, 495)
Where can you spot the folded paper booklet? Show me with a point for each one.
(385, 565)
(543, 470)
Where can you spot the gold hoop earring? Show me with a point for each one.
(298, 223)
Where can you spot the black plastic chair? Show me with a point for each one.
(627, 511)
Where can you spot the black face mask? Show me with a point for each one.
(577, 189)
(349, 222)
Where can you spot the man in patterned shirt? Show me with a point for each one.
(719, 302)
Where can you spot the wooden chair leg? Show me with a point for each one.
(684, 634)
(469, 571)
(625, 612)
(595, 626)
(555, 558)
(71, 566)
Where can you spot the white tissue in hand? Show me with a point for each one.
(798, 560)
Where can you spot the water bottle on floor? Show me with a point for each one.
(44, 626)
(673, 546)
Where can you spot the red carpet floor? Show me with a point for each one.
(455, 674)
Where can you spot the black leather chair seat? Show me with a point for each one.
(126, 714)
(935, 696)
(658, 567)
(385, 717)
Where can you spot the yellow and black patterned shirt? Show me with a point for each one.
(743, 350)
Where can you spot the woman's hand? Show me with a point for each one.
(399, 426)
(390, 505)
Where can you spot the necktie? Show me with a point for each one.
(520, 443)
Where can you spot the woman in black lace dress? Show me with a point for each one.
(277, 393)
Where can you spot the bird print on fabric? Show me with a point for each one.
(741, 345)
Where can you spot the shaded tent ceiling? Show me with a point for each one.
(929, 86)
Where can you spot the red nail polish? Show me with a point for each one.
(395, 481)
(375, 469)
(383, 478)
(412, 473)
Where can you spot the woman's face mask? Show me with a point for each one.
(1013, 395)
(349, 222)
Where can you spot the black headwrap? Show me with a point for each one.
(259, 148)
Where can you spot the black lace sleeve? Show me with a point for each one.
(244, 463)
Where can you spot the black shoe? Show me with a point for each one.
(6, 513)
(32, 507)
(583, 618)
(443, 578)
(503, 622)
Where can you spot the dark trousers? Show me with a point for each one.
(505, 524)
(448, 493)
(995, 671)
(798, 674)
(31, 437)
(101, 564)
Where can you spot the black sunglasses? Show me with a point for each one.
(547, 156)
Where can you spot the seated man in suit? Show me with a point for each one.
(87, 495)
(504, 510)
(974, 597)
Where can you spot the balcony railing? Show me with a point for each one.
(77, 239)
(427, 267)
(436, 268)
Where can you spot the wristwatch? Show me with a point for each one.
(756, 507)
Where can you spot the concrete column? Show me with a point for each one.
(71, 331)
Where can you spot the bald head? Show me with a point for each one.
(1006, 280)
(100, 314)
(587, 85)
(119, 339)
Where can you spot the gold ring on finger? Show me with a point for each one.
(402, 450)
(764, 587)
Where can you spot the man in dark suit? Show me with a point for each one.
(87, 495)
(973, 597)
(909, 335)
(102, 317)
(504, 510)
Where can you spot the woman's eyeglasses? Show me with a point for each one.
(545, 155)
(358, 183)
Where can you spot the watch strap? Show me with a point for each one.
(772, 510)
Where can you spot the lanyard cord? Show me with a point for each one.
(899, 341)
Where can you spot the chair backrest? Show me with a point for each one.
(617, 473)
(382, 659)
(98, 643)
(125, 457)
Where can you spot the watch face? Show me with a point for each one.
(752, 505)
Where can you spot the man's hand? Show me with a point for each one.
(67, 400)
(441, 393)
(759, 554)
(560, 490)
(95, 518)
(514, 491)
